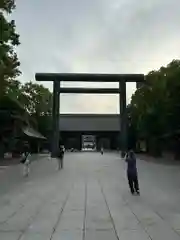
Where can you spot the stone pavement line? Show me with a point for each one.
(112, 220)
(43, 225)
(25, 218)
(71, 223)
(98, 222)
(155, 213)
(174, 221)
(13, 223)
(115, 188)
(60, 214)
(13, 207)
(85, 211)
(22, 232)
(138, 220)
(32, 218)
(176, 230)
(11, 215)
(30, 222)
(154, 226)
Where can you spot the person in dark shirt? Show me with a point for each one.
(132, 173)
(61, 157)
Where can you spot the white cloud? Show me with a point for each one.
(96, 36)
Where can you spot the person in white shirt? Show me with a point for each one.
(26, 163)
(102, 150)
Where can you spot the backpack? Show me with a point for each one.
(24, 157)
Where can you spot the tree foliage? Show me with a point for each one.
(7, 5)
(154, 109)
(8, 40)
(38, 99)
(35, 99)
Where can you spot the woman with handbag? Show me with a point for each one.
(26, 163)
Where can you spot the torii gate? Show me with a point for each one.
(89, 77)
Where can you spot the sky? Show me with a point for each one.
(96, 36)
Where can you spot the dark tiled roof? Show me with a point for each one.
(89, 122)
(32, 133)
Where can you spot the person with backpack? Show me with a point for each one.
(132, 173)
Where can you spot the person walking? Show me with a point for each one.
(102, 150)
(26, 163)
(132, 173)
(61, 157)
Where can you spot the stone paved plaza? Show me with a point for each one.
(89, 199)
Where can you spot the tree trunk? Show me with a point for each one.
(3, 86)
(1, 150)
(177, 150)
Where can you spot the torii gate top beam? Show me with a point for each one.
(89, 77)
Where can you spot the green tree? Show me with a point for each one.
(155, 106)
(173, 94)
(29, 104)
(38, 101)
(8, 39)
